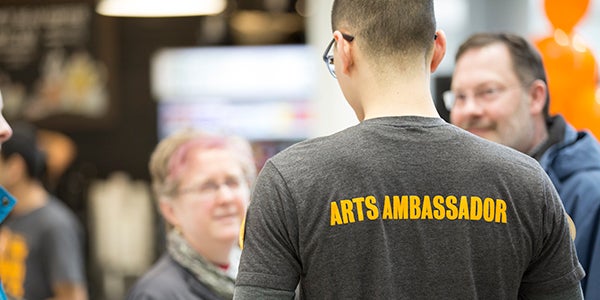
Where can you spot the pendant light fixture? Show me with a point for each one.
(160, 8)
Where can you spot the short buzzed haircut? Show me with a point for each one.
(388, 28)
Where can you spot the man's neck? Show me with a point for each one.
(555, 132)
(30, 195)
(400, 96)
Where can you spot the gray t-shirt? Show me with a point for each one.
(406, 208)
(50, 250)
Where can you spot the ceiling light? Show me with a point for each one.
(160, 8)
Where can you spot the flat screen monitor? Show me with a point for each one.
(259, 92)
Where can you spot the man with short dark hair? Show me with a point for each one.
(499, 92)
(42, 254)
(402, 205)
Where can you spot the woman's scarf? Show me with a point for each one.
(207, 273)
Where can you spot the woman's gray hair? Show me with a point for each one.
(170, 156)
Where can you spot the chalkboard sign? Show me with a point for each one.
(48, 67)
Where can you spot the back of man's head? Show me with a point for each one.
(24, 143)
(387, 29)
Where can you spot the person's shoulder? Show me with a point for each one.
(56, 204)
(576, 161)
(587, 147)
(318, 144)
(165, 266)
(483, 156)
(582, 185)
(159, 281)
(497, 154)
(58, 213)
(300, 151)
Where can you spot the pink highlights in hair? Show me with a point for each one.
(178, 160)
(206, 141)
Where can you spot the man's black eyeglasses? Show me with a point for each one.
(328, 58)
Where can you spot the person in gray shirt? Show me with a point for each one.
(42, 253)
(403, 205)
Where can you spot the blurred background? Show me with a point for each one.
(106, 86)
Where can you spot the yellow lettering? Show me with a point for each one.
(426, 213)
(336, 218)
(451, 204)
(359, 207)
(372, 210)
(463, 209)
(475, 208)
(400, 208)
(415, 207)
(387, 209)
(488, 209)
(440, 212)
(347, 214)
(500, 211)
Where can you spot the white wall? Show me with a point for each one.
(332, 112)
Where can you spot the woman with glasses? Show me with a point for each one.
(202, 184)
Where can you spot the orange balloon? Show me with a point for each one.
(564, 14)
(572, 78)
(570, 66)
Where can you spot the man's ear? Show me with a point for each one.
(439, 50)
(343, 52)
(538, 93)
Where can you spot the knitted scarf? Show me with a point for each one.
(207, 273)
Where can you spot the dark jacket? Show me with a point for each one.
(573, 164)
(167, 279)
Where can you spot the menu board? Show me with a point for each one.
(47, 67)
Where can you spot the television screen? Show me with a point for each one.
(259, 92)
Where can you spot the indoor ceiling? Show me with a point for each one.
(267, 21)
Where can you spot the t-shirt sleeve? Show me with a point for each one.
(555, 266)
(250, 292)
(270, 247)
(570, 293)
